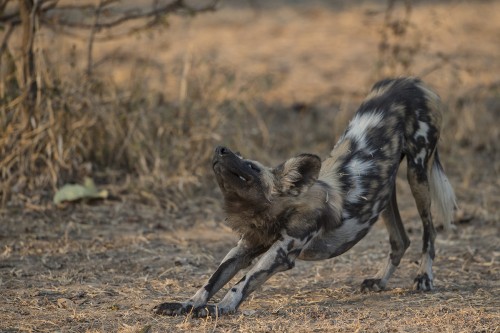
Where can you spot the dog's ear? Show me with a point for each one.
(297, 174)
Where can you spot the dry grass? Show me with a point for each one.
(270, 82)
(102, 268)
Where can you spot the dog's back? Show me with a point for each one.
(399, 118)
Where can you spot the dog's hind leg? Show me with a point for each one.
(419, 184)
(399, 243)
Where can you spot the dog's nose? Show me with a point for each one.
(221, 151)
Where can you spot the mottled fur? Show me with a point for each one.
(310, 209)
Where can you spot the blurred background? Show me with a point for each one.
(135, 94)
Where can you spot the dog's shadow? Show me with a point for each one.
(351, 296)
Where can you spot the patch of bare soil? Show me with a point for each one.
(102, 269)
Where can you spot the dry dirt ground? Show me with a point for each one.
(102, 266)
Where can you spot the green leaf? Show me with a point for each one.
(73, 192)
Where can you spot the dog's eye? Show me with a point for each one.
(253, 167)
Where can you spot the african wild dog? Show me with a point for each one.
(311, 210)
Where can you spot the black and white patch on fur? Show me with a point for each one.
(310, 209)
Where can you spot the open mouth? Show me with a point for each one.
(229, 171)
(239, 176)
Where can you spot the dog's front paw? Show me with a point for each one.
(172, 309)
(423, 282)
(210, 310)
(372, 285)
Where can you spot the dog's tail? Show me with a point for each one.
(442, 194)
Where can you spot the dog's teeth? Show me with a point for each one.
(243, 179)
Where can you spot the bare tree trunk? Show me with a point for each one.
(27, 15)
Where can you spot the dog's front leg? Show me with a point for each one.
(238, 258)
(280, 257)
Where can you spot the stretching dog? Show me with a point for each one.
(312, 210)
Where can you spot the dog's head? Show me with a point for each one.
(252, 187)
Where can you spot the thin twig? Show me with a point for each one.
(176, 6)
(91, 38)
(5, 41)
(14, 18)
(53, 16)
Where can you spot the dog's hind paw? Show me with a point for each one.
(172, 309)
(372, 285)
(423, 282)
